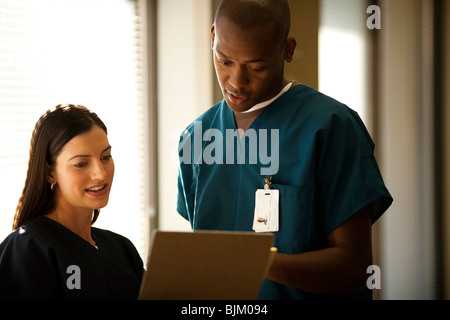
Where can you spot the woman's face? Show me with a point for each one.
(83, 172)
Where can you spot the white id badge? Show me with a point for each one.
(266, 210)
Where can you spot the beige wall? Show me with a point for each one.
(305, 28)
(407, 235)
(415, 137)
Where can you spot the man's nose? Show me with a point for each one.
(238, 77)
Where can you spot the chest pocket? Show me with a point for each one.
(296, 209)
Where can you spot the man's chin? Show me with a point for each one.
(238, 107)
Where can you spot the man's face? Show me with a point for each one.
(249, 63)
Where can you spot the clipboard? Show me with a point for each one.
(206, 265)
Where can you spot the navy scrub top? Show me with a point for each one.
(36, 261)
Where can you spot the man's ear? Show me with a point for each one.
(289, 50)
(213, 36)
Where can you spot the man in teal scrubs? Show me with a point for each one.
(310, 154)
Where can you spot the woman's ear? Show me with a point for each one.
(49, 174)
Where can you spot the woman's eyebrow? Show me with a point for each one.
(87, 155)
(108, 148)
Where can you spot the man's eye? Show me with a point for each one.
(258, 69)
(224, 63)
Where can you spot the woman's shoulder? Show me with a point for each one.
(28, 244)
(35, 230)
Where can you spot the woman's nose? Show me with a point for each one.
(98, 171)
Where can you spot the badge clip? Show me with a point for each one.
(268, 182)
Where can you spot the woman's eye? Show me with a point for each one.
(80, 165)
(107, 157)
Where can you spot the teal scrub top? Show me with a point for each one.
(326, 173)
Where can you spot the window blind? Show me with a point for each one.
(81, 52)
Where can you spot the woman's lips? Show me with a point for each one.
(97, 190)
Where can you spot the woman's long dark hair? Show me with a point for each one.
(52, 131)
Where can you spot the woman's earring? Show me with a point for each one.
(52, 185)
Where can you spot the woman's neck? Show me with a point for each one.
(78, 223)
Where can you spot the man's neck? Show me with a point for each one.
(245, 119)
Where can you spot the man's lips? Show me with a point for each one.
(237, 98)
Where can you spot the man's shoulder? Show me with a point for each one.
(314, 104)
(314, 101)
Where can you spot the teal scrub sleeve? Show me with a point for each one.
(349, 177)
